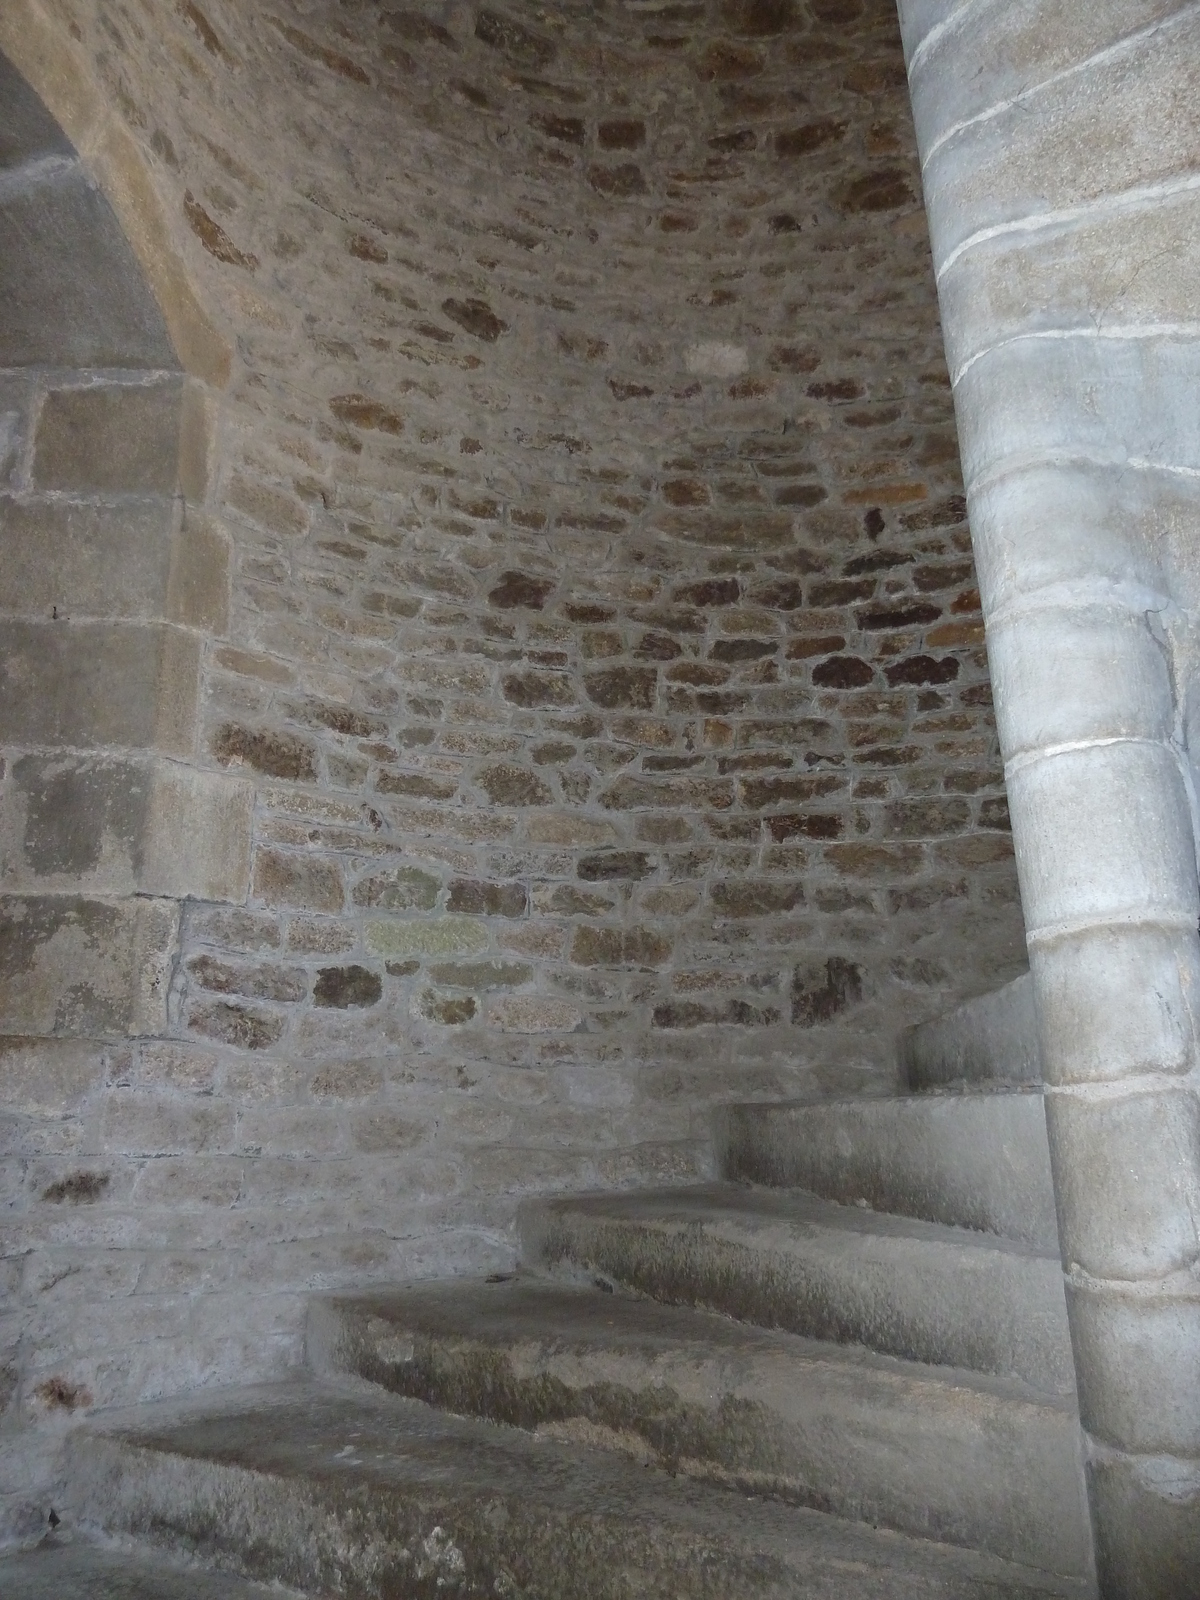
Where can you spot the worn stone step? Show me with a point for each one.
(65, 1568)
(954, 1457)
(984, 1043)
(973, 1161)
(780, 1259)
(379, 1498)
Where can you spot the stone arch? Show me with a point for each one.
(43, 54)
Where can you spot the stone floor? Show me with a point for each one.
(82, 1569)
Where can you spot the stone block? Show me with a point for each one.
(74, 823)
(305, 883)
(481, 974)
(476, 898)
(98, 560)
(398, 889)
(141, 1122)
(1089, 527)
(246, 1027)
(1117, 1002)
(89, 684)
(534, 1014)
(1116, 402)
(85, 968)
(1127, 121)
(197, 836)
(48, 1077)
(441, 936)
(1135, 266)
(105, 825)
(1125, 1173)
(1111, 677)
(1023, 46)
(1139, 1381)
(44, 267)
(197, 422)
(1119, 805)
(109, 438)
(1147, 1517)
(198, 587)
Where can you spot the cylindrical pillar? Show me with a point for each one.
(1061, 157)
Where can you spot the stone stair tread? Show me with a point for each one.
(922, 1291)
(796, 1211)
(90, 1569)
(584, 1318)
(313, 1484)
(967, 1160)
(948, 1455)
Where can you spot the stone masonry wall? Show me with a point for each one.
(604, 645)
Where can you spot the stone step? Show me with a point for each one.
(901, 1287)
(986, 1042)
(955, 1458)
(65, 1568)
(376, 1498)
(973, 1161)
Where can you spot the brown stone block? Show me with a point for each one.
(278, 755)
(508, 785)
(634, 794)
(341, 988)
(882, 862)
(623, 687)
(399, 889)
(265, 981)
(612, 947)
(110, 438)
(755, 897)
(234, 1023)
(476, 898)
(307, 883)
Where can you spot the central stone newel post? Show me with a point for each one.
(1060, 149)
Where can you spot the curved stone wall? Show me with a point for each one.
(604, 645)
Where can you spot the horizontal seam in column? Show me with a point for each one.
(1055, 932)
(1178, 1284)
(1042, 463)
(1126, 42)
(1176, 331)
(1030, 758)
(1077, 598)
(35, 174)
(939, 29)
(1134, 1087)
(1036, 222)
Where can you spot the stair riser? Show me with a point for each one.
(988, 1041)
(974, 1161)
(923, 1457)
(332, 1535)
(984, 1311)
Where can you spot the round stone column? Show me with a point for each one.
(1061, 158)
